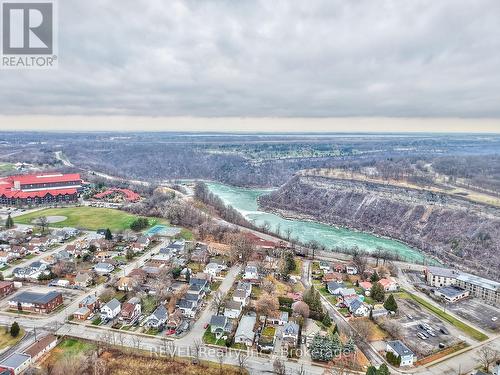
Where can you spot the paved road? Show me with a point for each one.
(197, 329)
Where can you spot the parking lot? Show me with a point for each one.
(414, 319)
(477, 312)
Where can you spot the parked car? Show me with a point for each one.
(444, 331)
(421, 336)
(494, 319)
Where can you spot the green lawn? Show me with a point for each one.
(73, 347)
(6, 167)
(6, 340)
(209, 338)
(475, 334)
(92, 218)
(148, 305)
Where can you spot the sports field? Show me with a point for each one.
(91, 218)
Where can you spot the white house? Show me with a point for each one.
(358, 308)
(246, 287)
(233, 309)
(251, 273)
(351, 270)
(398, 348)
(241, 296)
(111, 309)
(213, 269)
(291, 333)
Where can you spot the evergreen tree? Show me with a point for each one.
(350, 346)
(14, 329)
(383, 370)
(336, 344)
(336, 329)
(9, 222)
(327, 321)
(374, 277)
(377, 292)
(390, 303)
(372, 370)
(108, 235)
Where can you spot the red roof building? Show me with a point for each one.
(129, 195)
(39, 188)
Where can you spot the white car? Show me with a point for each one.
(494, 319)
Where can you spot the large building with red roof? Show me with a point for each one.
(43, 188)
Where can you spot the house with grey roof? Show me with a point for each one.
(290, 333)
(219, 325)
(358, 308)
(334, 287)
(398, 348)
(245, 332)
(158, 318)
(233, 309)
(104, 268)
(16, 362)
(111, 309)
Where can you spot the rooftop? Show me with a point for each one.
(15, 360)
(400, 348)
(35, 348)
(33, 297)
(481, 281)
(450, 291)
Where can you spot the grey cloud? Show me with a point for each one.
(269, 58)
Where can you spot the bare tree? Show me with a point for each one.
(43, 223)
(268, 286)
(242, 360)
(302, 309)
(488, 356)
(266, 304)
(363, 328)
(195, 351)
(301, 370)
(220, 359)
(218, 301)
(279, 367)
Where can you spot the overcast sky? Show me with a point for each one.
(307, 59)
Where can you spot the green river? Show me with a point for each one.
(245, 201)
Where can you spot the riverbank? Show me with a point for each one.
(246, 202)
(291, 215)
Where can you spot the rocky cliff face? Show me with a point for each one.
(456, 231)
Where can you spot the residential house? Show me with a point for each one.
(398, 348)
(91, 302)
(233, 309)
(332, 276)
(241, 296)
(158, 318)
(245, 332)
(104, 268)
(251, 274)
(346, 293)
(16, 362)
(36, 302)
(160, 260)
(125, 283)
(82, 313)
(139, 274)
(335, 287)
(6, 288)
(358, 308)
(213, 269)
(40, 347)
(187, 307)
(339, 267)
(389, 284)
(281, 318)
(83, 279)
(245, 286)
(290, 335)
(220, 325)
(111, 309)
(366, 286)
(351, 269)
(131, 310)
(324, 266)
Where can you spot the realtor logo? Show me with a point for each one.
(28, 34)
